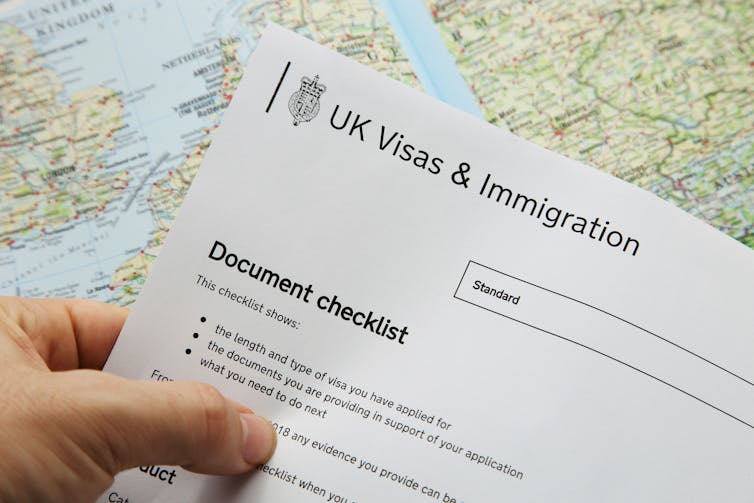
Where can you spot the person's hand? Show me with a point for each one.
(65, 432)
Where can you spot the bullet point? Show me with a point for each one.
(202, 319)
(196, 336)
(188, 351)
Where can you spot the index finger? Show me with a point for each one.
(67, 333)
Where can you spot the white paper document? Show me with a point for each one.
(432, 309)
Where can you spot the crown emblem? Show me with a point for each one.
(304, 103)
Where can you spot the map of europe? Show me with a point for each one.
(659, 94)
(107, 108)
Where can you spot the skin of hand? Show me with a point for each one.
(66, 428)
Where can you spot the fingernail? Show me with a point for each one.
(242, 409)
(259, 439)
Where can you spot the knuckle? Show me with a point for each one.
(213, 413)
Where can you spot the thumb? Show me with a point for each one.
(132, 423)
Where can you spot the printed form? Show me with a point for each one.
(432, 309)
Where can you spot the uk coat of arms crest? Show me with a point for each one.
(304, 103)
